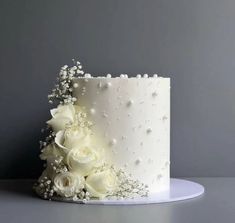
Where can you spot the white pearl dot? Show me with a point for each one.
(75, 85)
(109, 76)
(122, 76)
(146, 75)
(87, 75)
(154, 94)
(138, 75)
(167, 163)
(108, 85)
(164, 118)
(104, 115)
(138, 161)
(155, 75)
(113, 142)
(130, 102)
(92, 111)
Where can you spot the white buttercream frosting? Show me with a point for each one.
(131, 122)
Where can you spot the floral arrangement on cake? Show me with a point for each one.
(75, 168)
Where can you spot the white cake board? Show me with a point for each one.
(179, 190)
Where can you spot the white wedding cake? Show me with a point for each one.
(109, 137)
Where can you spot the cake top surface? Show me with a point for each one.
(77, 72)
(122, 76)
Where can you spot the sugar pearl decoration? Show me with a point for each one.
(123, 137)
(87, 75)
(138, 161)
(167, 163)
(159, 176)
(155, 75)
(138, 75)
(108, 85)
(146, 75)
(104, 115)
(75, 85)
(164, 118)
(130, 102)
(154, 94)
(149, 130)
(113, 142)
(122, 76)
(109, 76)
(92, 111)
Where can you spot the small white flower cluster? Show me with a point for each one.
(82, 195)
(82, 119)
(47, 140)
(128, 187)
(58, 166)
(64, 88)
(44, 188)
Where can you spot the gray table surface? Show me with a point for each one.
(19, 204)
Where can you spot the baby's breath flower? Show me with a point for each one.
(128, 187)
(63, 89)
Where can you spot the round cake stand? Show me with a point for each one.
(179, 190)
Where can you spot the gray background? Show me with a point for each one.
(193, 42)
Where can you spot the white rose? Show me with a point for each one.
(62, 116)
(73, 137)
(83, 160)
(102, 183)
(76, 136)
(68, 184)
(50, 151)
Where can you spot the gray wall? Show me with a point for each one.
(193, 42)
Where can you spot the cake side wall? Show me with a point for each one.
(131, 122)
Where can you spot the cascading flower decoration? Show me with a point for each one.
(75, 167)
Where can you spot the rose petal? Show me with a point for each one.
(59, 140)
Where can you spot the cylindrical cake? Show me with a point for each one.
(131, 122)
